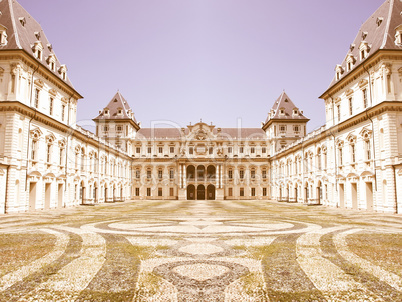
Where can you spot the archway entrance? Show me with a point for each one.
(191, 192)
(319, 192)
(82, 192)
(211, 192)
(201, 192)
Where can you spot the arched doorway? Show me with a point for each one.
(190, 173)
(201, 192)
(319, 192)
(82, 192)
(191, 192)
(211, 173)
(211, 192)
(201, 175)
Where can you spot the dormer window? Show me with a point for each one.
(282, 111)
(295, 111)
(364, 50)
(339, 71)
(379, 21)
(37, 35)
(51, 60)
(364, 35)
(3, 36)
(38, 50)
(119, 111)
(350, 61)
(23, 21)
(63, 72)
(398, 35)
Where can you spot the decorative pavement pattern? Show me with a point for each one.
(201, 251)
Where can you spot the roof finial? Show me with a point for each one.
(200, 120)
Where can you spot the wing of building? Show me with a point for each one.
(353, 161)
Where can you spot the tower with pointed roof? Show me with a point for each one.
(116, 123)
(285, 123)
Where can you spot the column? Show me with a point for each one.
(184, 177)
(217, 176)
(220, 177)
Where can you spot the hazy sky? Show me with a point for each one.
(219, 60)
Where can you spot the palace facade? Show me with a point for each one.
(353, 161)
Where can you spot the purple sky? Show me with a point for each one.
(219, 60)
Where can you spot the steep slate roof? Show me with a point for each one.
(377, 36)
(118, 101)
(174, 133)
(286, 103)
(23, 37)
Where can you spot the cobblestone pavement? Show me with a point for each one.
(201, 251)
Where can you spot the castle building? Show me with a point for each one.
(353, 161)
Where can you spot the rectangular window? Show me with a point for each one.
(365, 103)
(33, 151)
(159, 192)
(148, 192)
(296, 129)
(36, 98)
(190, 150)
(171, 174)
(230, 191)
(48, 153)
(171, 192)
(338, 109)
(350, 106)
(264, 150)
(171, 149)
(340, 157)
(230, 174)
(368, 149)
(160, 174)
(282, 129)
(264, 174)
(119, 128)
(230, 149)
(138, 150)
(149, 174)
(149, 150)
(51, 106)
(353, 153)
(241, 191)
(252, 149)
(105, 128)
(160, 149)
(252, 191)
(264, 191)
(252, 174)
(211, 150)
(241, 174)
(137, 191)
(63, 110)
(61, 156)
(241, 149)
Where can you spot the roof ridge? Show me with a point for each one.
(385, 38)
(11, 8)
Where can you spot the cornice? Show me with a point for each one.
(14, 106)
(359, 70)
(20, 54)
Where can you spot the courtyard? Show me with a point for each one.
(200, 251)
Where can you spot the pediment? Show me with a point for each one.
(200, 132)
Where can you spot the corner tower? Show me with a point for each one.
(285, 123)
(116, 123)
